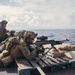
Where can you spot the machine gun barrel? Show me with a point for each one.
(52, 42)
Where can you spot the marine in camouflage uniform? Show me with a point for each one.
(5, 47)
(30, 50)
(9, 52)
(4, 44)
(28, 38)
(3, 30)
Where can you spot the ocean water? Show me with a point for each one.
(57, 34)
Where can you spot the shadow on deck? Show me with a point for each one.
(10, 70)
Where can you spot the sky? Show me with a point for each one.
(38, 14)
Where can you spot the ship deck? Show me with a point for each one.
(45, 65)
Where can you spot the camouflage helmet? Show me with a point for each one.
(4, 21)
(12, 31)
(29, 34)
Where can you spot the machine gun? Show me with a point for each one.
(43, 41)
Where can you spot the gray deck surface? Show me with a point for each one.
(7, 72)
(64, 72)
(10, 70)
(13, 71)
